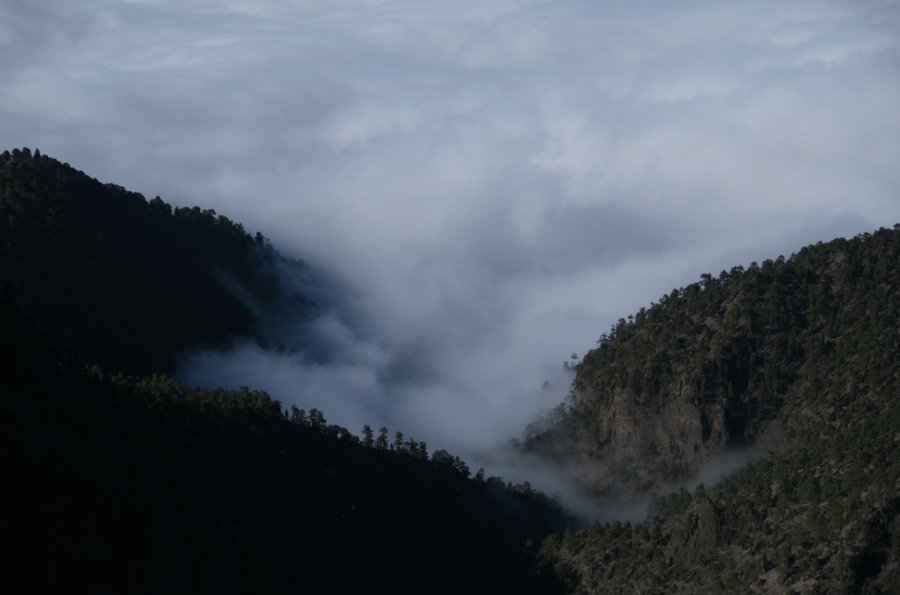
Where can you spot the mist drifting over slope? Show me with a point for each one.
(484, 189)
(441, 383)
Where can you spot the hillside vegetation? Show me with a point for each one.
(145, 486)
(127, 283)
(135, 483)
(800, 355)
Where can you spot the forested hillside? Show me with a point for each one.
(806, 349)
(116, 484)
(133, 483)
(126, 283)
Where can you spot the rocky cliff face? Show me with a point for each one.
(653, 436)
(679, 382)
(660, 440)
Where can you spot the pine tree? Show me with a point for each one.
(368, 439)
(382, 442)
(298, 416)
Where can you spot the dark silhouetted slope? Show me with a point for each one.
(115, 484)
(126, 283)
(133, 483)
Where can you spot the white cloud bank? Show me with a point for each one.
(494, 184)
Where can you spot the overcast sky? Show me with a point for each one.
(491, 184)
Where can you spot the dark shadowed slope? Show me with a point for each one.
(125, 282)
(115, 484)
(127, 484)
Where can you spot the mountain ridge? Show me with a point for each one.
(808, 345)
(64, 231)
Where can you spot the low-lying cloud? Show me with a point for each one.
(446, 380)
(487, 187)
